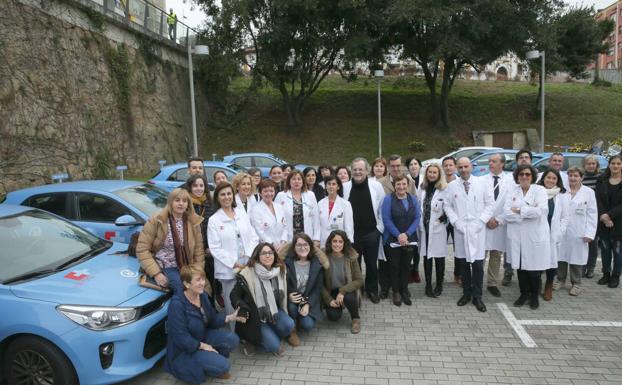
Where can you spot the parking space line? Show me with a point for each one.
(517, 326)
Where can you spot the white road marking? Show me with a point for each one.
(548, 322)
(517, 326)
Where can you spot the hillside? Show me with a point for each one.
(341, 118)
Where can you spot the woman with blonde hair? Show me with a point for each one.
(171, 239)
(433, 229)
(245, 191)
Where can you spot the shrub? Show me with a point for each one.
(454, 144)
(416, 146)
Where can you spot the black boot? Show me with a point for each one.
(521, 300)
(605, 279)
(429, 292)
(534, 302)
(440, 275)
(438, 290)
(614, 281)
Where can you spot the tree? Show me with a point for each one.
(297, 42)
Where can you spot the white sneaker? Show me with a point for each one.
(574, 290)
(557, 285)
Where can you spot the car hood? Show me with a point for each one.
(107, 279)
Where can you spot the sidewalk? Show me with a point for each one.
(436, 342)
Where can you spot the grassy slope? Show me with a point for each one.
(341, 118)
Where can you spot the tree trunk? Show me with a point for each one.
(293, 110)
(443, 121)
(430, 80)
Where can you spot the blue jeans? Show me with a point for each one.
(306, 322)
(610, 249)
(174, 281)
(271, 334)
(217, 364)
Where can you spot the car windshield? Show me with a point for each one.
(469, 153)
(236, 167)
(35, 241)
(146, 198)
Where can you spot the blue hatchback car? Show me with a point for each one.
(174, 175)
(110, 209)
(72, 309)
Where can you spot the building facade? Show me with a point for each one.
(613, 58)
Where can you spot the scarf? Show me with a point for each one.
(552, 192)
(200, 202)
(268, 285)
(180, 250)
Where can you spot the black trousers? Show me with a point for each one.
(592, 255)
(472, 277)
(440, 270)
(350, 301)
(399, 268)
(416, 258)
(367, 246)
(384, 278)
(529, 282)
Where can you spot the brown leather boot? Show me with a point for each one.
(293, 338)
(548, 292)
(356, 326)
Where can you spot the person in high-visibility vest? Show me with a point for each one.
(171, 20)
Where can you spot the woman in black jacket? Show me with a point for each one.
(304, 264)
(313, 183)
(260, 293)
(609, 201)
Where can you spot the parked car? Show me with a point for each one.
(261, 160)
(72, 309)
(480, 162)
(570, 159)
(110, 209)
(174, 175)
(469, 152)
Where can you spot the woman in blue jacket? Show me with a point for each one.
(400, 214)
(196, 348)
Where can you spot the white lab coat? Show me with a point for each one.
(252, 201)
(559, 223)
(528, 233)
(582, 222)
(271, 228)
(469, 214)
(496, 238)
(228, 238)
(436, 245)
(340, 218)
(309, 212)
(377, 194)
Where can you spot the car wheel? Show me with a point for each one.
(34, 361)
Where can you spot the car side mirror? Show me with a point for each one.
(127, 220)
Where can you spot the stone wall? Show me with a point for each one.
(81, 96)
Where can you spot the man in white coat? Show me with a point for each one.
(499, 183)
(470, 208)
(365, 196)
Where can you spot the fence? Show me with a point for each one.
(144, 16)
(611, 75)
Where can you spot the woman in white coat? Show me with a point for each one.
(433, 229)
(267, 218)
(231, 239)
(557, 217)
(529, 241)
(335, 212)
(245, 197)
(299, 207)
(582, 223)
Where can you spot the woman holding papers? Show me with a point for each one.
(400, 214)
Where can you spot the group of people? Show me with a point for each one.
(283, 252)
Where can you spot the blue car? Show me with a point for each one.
(72, 309)
(174, 175)
(111, 209)
(261, 160)
(570, 159)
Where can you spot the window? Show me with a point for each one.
(209, 171)
(53, 202)
(180, 175)
(573, 161)
(244, 161)
(97, 208)
(261, 161)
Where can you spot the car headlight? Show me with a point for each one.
(99, 318)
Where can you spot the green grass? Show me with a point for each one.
(341, 119)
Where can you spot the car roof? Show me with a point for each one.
(206, 163)
(249, 154)
(84, 185)
(7, 209)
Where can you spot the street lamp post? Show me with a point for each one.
(531, 55)
(197, 50)
(379, 74)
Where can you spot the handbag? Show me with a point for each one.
(150, 283)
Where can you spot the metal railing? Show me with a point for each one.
(147, 17)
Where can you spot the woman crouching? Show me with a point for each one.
(196, 348)
(260, 294)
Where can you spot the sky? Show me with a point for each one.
(189, 13)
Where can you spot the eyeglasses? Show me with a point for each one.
(524, 174)
(266, 254)
(302, 246)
